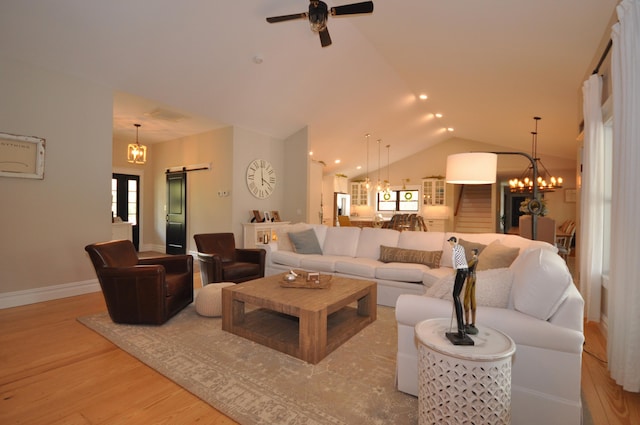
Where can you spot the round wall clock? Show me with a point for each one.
(261, 178)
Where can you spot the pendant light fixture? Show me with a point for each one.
(545, 181)
(387, 182)
(367, 182)
(137, 153)
(379, 184)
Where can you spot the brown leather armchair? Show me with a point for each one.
(221, 261)
(141, 291)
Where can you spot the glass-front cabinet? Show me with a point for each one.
(433, 191)
(359, 193)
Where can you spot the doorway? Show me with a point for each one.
(176, 230)
(125, 202)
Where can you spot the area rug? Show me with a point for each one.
(254, 384)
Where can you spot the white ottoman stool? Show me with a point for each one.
(209, 299)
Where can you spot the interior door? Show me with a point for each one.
(125, 202)
(176, 233)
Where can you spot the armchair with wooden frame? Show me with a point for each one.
(221, 261)
(564, 238)
(141, 290)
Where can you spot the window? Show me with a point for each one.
(398, 200)
(608, 165)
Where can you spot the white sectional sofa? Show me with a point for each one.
(523, 288)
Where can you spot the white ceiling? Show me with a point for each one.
(184, 67)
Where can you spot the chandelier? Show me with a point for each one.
(367, 182)
(137, 153)
(545, 182)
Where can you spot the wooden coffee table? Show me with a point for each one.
(304, 323)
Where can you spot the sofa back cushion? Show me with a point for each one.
(425, 241)
(540, 283)
(341, 241)
(371, 239)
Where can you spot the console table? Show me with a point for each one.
(254, 232)
(463, 384)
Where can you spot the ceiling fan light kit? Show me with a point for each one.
(318, 15)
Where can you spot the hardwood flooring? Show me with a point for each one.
(54, 370)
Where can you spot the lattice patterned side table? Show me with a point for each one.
(463, 384)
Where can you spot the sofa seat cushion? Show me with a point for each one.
(402, 272)
(363, 267)
(493, 287)
(320, 263)
(286, 258)
(431, 276)
(371, 239)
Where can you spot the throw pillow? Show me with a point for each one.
(282, 235)
(540, 283)
(496, 256)
(468, 246)
(390, 254)
(305, 242)
(493, 287)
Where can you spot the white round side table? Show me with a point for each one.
(463, 384)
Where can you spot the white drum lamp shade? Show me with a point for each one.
(472, 168)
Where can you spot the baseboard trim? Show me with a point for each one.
(48, 293)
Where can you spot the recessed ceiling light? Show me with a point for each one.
(337, 161)
(438, 115)
(449, 128)
(423, 96)
(359, 167)
(310, 153)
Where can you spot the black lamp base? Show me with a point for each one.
(456, 339)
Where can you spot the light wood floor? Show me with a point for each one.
(53, 370)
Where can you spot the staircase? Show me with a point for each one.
(474, 213)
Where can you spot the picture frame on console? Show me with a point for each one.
(257, 217)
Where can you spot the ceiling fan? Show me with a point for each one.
(318, 14)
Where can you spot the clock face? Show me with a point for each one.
(261, 178)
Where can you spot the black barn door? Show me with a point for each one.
(176, 213)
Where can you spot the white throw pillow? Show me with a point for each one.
(540, 283)
(493, 287)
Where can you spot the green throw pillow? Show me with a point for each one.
(390, 254)
(305, 242)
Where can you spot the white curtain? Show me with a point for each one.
(592, 198)
(624, 298)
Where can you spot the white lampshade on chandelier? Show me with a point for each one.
(136, 153)
(545, 181)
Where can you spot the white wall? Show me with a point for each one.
(247, 146)
(45, 224)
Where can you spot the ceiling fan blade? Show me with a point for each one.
(325, 38)
(283, 18)
(352, 9)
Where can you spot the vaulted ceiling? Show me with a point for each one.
(183, 67)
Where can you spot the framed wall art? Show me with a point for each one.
(21, 156)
